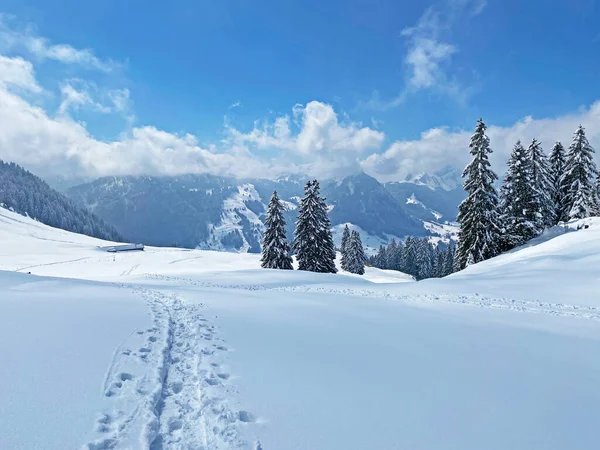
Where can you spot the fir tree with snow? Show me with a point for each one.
(516, 200)
(438, 262)
(392, 255)
(425, 259)
(579, 176)
(344, 247)
(397, 259)
(275, 249)
(409, 264)
(313, 241)
(356, 254)
(596, 199)
(541, 180)
(449, 259)
(557, 169)
(479, 235)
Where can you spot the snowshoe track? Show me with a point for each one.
(174, 396)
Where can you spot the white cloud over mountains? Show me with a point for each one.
(314, 138)
(440, 146)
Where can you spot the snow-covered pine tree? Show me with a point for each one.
(449, 259)
(580, 171)
(392, 255)
(438, 263)
(398, 260)
(313, 242)
(344, 247)
(541, 180)
(596, 194)
(557, 169)
(516, 200)
(276, 249)
(479, 235)
(380, 258)
(409, 264)
(425, 259)
(356, 254)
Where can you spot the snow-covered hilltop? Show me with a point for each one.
(172, 349)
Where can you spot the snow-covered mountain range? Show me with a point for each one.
(210, 212)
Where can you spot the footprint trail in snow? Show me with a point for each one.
(166, 386)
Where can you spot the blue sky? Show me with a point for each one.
(221, 76)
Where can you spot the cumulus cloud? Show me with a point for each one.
(439, 147)
(313, 139)
(322, 144)
(13, 38)
(60, 145)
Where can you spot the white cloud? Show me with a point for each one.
(313, 140)
(51, 145)
(425, 57)
(16, 72)
(320, 132)
(429, 54)
(439, 147)
(322, 145)
(234, 105)
(75, 94)
(12, 38)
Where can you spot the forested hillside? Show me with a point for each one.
(27, 194)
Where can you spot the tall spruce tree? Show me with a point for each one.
(557, 169)
(541, 179)
(276, 249)
(313, 242)
(579, 176)
(356, 254)
(596, 194)
(479, 235)
(516, 200)
(409, 265)
(438, 264)
(392, 255)
(425, 259)
(449, 260)
(344, 247)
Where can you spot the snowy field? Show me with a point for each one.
(179, 349)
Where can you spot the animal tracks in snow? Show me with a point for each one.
(166, 387)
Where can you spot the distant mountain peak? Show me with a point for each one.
(447, 178)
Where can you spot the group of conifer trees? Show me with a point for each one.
(313, 242)
(353, 253)
(416, 257)
(536, 193)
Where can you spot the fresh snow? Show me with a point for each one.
(189, 349)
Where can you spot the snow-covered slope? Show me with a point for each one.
(181, 349)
